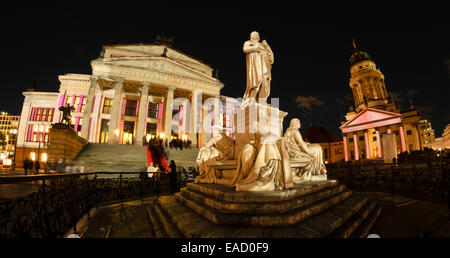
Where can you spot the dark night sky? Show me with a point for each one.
(312, 47)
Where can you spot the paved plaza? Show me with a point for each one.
(401, 218)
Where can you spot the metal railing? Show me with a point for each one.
(422, 181)
(62, 199)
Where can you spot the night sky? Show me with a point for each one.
(312, 47)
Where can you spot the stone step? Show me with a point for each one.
(156, 224)
(168, 226)
(262, 220)
(354, 222)
(112, 158)
(363, 230)
(259, 207)
(193, 225)
(229, 194)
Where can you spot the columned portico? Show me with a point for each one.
(168, 107)
(88, 109)
(379, 155)
(142, 120)
(355, 141)
(113, 122)
(366, 141)
(195, 110)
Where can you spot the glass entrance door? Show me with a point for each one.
(128, 132)
(104, 128)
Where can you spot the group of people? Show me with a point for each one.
(29, 166)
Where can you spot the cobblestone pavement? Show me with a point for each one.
(130, 220)
(408, 218)
(401, 218)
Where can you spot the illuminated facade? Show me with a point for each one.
(427, 134)
(136, 91)
(8, 127)
(375, 116)
(332, 146)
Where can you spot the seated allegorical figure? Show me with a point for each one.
(220, 147)
(246, 159)
(305, 153)
(271, 168)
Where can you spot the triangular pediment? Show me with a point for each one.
(140, 50)
(371, 116)
(163, 65)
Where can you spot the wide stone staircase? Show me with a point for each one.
(112, 158)
(183, 157)
(310, 210)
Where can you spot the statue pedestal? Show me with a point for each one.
(245, 117)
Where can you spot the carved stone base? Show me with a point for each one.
(312, 209)
(244, 118)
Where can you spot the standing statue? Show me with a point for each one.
(305, 153)
(220, 147)
(65, 119)
(259, 64)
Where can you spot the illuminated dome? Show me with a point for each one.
(358, 56)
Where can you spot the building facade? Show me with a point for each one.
(8, 128)
(135, 92)
(427, 134)
(376, 125)
(332, 146)
(446, 137)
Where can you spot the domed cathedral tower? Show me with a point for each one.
(375, 129)
(367, 82)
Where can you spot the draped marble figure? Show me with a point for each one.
(271, 169)
(259, 59)
(220, 147)
(308, 154)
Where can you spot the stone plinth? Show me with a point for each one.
(311, 209)
(255, 112)
(64, 142)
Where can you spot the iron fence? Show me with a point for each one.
(422, 181)
(62, 199)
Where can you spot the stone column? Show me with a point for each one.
(216, 110)
(366, 139)
(378, 143)
(168, 112)
(402, 138)
(196, 94)
(355, 141)
(205, 126)
(88, 109)
(345, 148)
(115, 113)
(142, 119)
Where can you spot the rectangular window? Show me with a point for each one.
(361, 138)
(107, 106)
(130, 108)
(38, 114)
(76, 104)
(153, 110)
(83, 105)
(374, 138)
(44, 114)
(50, 114)
(408, 132)
(69, 100)
(350, 139)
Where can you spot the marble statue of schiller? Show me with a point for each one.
(259, 64)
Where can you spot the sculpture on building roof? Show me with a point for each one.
(259, 64)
